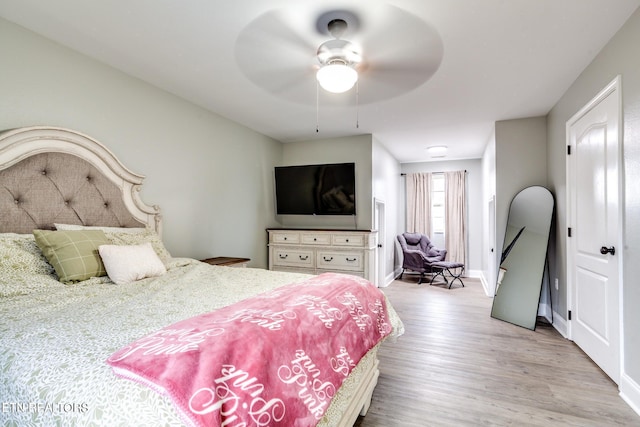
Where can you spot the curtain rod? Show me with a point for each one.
(404, 174)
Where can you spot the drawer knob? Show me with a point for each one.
(347, 240)
(315, 240)
(303, 258)
(283, 256)
(351, 259)
(285, 238)
(327, 259)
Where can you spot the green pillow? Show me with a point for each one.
(73, 254)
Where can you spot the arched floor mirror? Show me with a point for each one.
(524, 257)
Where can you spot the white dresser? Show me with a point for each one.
(319, 251)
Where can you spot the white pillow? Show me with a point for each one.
(128, 263)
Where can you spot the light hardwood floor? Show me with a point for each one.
(457, 366)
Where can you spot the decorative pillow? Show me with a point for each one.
(23, 268)
(73, 254)
(126, 236)
(125, 264)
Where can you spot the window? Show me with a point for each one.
(437, 203)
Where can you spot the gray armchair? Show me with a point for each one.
(419, 253)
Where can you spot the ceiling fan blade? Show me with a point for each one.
(401, 53)
(275, 55)
(380, 81)
(290, 83)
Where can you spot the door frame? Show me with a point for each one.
(379, 223)
(613, 87)
(492, 253)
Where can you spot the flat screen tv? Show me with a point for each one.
(328, 189)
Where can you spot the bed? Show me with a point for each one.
(59, 341)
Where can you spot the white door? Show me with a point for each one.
(593, 217)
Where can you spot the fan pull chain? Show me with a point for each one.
(357, 105)
(317, 104)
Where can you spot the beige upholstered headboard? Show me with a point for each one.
(52, 175)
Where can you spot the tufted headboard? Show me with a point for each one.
(52, 175)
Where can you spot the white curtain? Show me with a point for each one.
(418, 187)
(455, 212)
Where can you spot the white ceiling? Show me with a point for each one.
(500, 59)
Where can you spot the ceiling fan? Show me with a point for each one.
(387, 50)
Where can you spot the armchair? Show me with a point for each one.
(419, 254)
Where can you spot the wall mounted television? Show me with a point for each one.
(326, 189)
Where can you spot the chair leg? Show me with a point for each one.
(401, 273)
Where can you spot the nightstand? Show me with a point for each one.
(227, 261)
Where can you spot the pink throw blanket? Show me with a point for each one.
(274, 359)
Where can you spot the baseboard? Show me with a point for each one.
(630, 392)
(476, 274)
(485, 284)
(560, 324)
(389, 279)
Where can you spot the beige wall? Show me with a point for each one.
(619, 57)
(211, 177)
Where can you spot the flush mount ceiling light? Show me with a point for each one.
(338, 59)
(437, 151)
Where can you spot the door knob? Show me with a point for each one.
(604, 250)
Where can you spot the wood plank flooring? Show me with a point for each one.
(457, 366)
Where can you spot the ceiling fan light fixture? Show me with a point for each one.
(337, 77)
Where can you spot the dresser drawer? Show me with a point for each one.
(285, 257)
(347, 240)
(285, 237)
(315, 239)
(352, 261)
